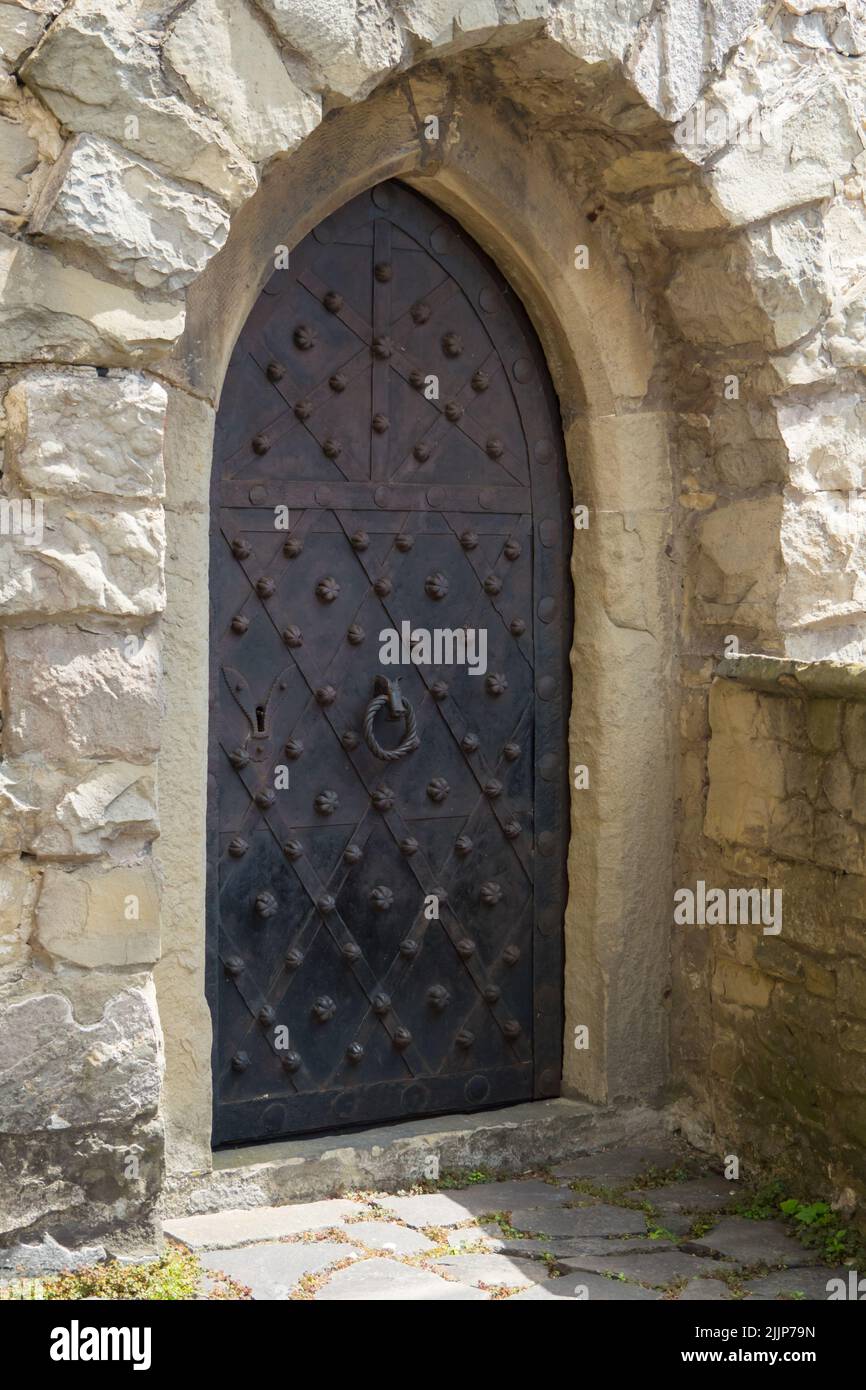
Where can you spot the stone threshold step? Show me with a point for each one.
(511, 1140)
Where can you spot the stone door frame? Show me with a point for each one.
(600, 357)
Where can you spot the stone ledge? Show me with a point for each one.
(805, 680)
(511, 1140)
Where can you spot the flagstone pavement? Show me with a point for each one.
(626, 1224)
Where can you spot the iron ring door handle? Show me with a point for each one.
(389, 694)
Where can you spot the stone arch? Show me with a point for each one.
(713, 259)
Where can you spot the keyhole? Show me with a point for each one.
(260, 719)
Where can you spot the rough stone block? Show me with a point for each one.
(767, 288)
(737, 984)
(824, 724)
(738, 568)
(77, 812)
(225, 55)
(50, 311)
(854, 734)
(826, 442)
(148, 228)
(19, 156)
(851, 997)
(823, 541)
(92, 918)
(58, 1074)
(82, 693)
(86, 560)
(810, 141)
(347, 49)
(18, 884)
(76, 433)
(96, 71)
(26, 1261)
(20, 30)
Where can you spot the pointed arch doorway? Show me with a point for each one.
(385, 934)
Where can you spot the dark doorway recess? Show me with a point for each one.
(389, 395)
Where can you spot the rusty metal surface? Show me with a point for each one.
(337, 999)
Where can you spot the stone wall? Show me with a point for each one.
(708, 352)
(769, 1032)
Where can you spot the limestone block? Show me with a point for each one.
(140, 224)
(92, 918)
(58, 1074)
(826, 442)
(19, 155)
(791, 832)
(824, 724)
(839, 843)
(748, 771)
(845, 234)
(683, 47)
(802, 774)
(713, 301)
(18, 887)
(632, 453)
(747, 449)
(837, 782)
(85, 560)
(845, 332)
(846, 28)
(81, 694)
(768, 288)
(809, 141)
(823, 540)
(739, 563)
(789, 272)
(76, 433)
(53, 311)
(596, 31)
(347, 48)
(20, 29)
(852, 989)
(18, 814)
(854, 734)
(112, 808)
(96, 71)
(225, 55)
(738, 984)
(79, 811)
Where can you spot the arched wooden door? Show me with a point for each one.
(388, 467)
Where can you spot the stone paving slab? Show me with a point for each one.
(617, 1167)
(699, 1194)
(381, 1280)
(590, 1287)
(427, 1209)
(222, 1230)
(812, 1283)
(676, 1223)
(752, 1243)
(598, 1220)
(474, 1235)
(494, 1271)
(387, 1235)
(272, 1270)
(488, 1197)
(658, 1268)
(704, 1291)
(566, 1246)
